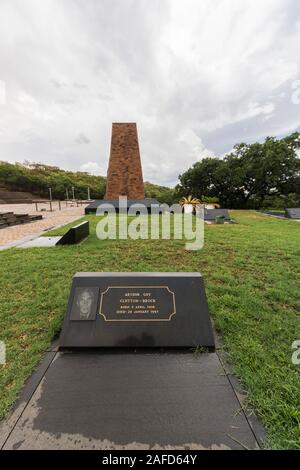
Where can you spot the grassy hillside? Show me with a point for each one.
(162, 193)
(36, 178)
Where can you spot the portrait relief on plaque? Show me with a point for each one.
(84, 307)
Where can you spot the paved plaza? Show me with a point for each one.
(12, 236)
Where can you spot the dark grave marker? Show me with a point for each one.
(101, 205)
(72, 237)
(75, 234)
(293, 213)
(137, 310)
(212, 215)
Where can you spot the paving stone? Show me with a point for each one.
(11, 236)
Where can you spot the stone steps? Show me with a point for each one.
(15, 197)
(8, 219)
(16, 201)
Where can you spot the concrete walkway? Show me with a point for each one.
(12, 236)
(126, 400)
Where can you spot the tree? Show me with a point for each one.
(248, 175)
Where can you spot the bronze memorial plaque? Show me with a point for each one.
(137, 310)
(137, 303)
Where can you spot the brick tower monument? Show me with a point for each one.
(124, 175)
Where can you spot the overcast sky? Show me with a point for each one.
(197, 76)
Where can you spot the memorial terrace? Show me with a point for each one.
(250, 271)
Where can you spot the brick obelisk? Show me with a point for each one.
(124, 175)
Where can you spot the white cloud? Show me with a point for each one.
(92, 167)
(82, 139)
(2, 92)
(196, 76)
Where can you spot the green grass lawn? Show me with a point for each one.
(252, 278)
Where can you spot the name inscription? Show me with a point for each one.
(137, 303)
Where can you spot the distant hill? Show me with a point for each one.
(37, 178)
(162, 193)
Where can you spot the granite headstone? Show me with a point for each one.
(75, 234)
(137, 310)
(211, 215)
(293, 213)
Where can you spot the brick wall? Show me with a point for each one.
(124, 176)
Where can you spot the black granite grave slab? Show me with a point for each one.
(210, 215)
(123, 400)
(93, 207)
(75, 234)
(137, 310)
(293, 213)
